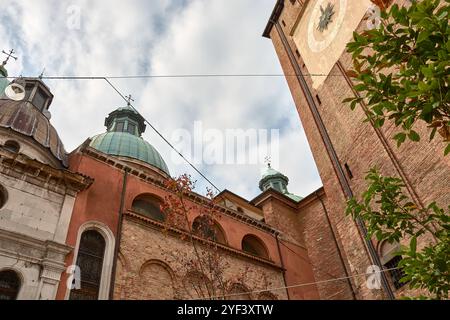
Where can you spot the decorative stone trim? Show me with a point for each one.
(61, 181)
(110, 241)
(38, 262)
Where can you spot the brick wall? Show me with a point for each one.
(358, 145)
(149, 268)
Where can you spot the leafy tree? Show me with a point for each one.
(398, 218)
(402, 69)
(402, 72)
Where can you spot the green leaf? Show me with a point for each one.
(427, 72)
(447, 150)
(348, 100)
(360, 87)
(423, 36)
(414, 136)
(400, 137)
(413, 246)
(433, 133)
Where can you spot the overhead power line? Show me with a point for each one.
(205, 75)
(128, 101)
(168, 76)
(300, 284)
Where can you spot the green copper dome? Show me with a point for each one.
(273, 179)
(127, 145)
(123, 138)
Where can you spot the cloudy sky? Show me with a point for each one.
(164, 37)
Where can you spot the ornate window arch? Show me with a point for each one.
(390, 260)
(255, 246)
(208, 228)
(148, 205)
(10, 284)
(106, 265)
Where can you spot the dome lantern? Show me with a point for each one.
(125, 119)
(124, 128)
(273, 179)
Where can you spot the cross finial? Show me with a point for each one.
(42, 74)
(8, 55)
(129, 99)
(267, 160)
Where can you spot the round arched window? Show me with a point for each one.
(90, 260)
(148, 206)
(9, 285)
(253, 245)
(207, 228)
(12, 146)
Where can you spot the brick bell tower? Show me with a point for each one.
(310, 37)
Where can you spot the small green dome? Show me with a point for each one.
(128, 145)
(273, 179)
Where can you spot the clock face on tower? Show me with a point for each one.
(323, 30)
(324, 23)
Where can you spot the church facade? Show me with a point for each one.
(89, 224)
(95, 213)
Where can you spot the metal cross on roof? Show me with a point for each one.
(129, 99)
(9, 55)
(267, 160)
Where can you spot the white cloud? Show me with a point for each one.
(164, 37)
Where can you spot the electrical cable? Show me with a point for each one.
(298, 285)
(161, 135)
(213, 75)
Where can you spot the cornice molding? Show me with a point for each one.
(33, 171)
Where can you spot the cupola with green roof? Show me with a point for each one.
(123, 138)
(273, 179)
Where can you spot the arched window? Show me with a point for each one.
(207, 228)
(12, 146)
(9, 285)
(148, 206)
(90, 261)
(390, 260)
(238, 292)
(156, 281)
(3, 196)
(253, 245)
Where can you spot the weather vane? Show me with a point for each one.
(9, 55)
(129, 99)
